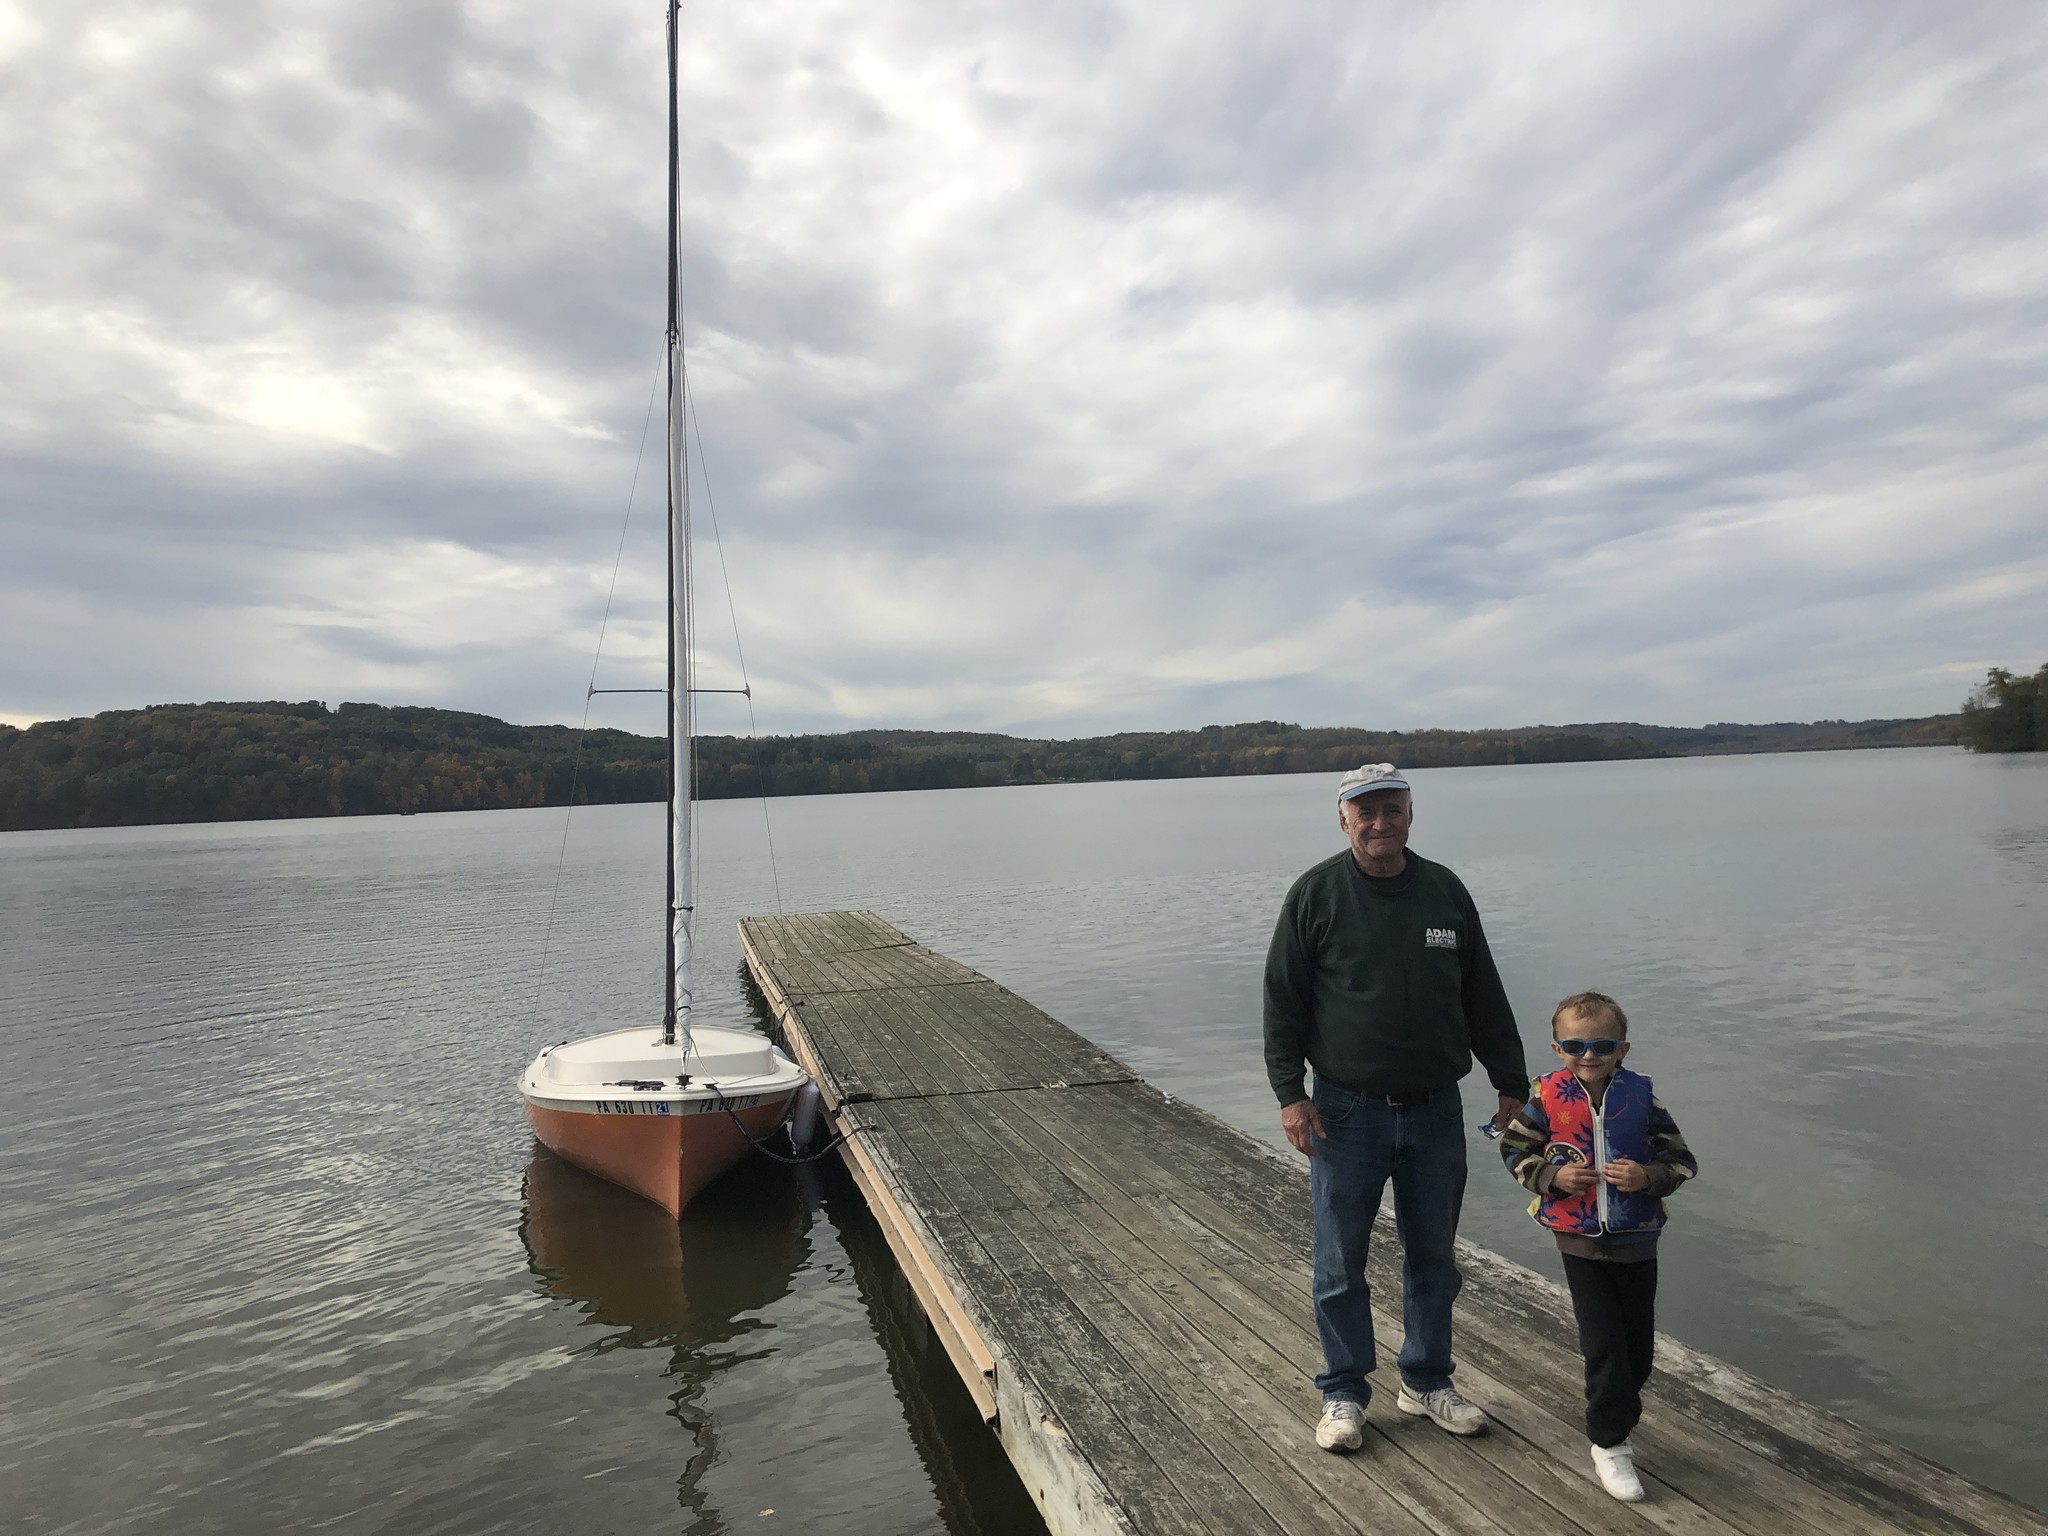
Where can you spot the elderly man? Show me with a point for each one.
(1380, 979)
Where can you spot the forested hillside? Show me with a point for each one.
(250, 762)
(236, 762)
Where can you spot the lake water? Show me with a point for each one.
(282, 1254)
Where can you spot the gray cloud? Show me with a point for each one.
(1060, 367)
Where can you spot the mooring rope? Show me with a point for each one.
(802, 1157)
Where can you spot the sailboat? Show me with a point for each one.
(663, 1112)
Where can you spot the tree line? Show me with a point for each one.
(260, 761)
(2008, 712)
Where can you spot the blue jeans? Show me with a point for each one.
(1421, 1147)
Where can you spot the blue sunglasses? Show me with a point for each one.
(1597, 1047)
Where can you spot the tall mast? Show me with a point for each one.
(675, 1024)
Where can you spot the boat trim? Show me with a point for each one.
(653, 1106)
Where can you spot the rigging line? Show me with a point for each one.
(725, 572)
(681, 317)
(689, 675)
(583, 728)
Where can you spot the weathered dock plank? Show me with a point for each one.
(1122, 1281)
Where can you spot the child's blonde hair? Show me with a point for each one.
(1595, 1005)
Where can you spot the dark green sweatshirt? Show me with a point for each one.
(1385, 986)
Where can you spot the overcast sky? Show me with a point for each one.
(1061, 367)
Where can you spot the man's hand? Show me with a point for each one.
(1573, 1178)
(1624, 1175)
(1508, 1106)
(1304, 1127)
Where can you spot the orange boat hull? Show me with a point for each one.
(665, 1158)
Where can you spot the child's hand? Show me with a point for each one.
(1573, 1179)
(1631, 1178)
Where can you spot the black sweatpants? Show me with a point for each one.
(1616, 1305)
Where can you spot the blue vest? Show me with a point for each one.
(1620, 1128)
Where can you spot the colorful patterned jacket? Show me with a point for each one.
(1559, 1125)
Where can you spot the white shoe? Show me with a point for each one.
(1616, 1465)
(1446, 1405)
(1343, 1425)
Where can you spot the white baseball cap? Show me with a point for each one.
(1366, 778)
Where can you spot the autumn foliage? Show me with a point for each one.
(241, 762)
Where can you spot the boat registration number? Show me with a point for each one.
(665, 1107)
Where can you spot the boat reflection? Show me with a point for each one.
(698, 1285)
(660, 1280)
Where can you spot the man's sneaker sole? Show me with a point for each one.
(1420, 1409)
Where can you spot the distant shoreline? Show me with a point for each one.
(176, 763)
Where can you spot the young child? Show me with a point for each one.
(1600, 1153)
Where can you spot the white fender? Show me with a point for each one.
(804, 1121)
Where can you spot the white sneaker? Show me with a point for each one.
(1446, 1405)
(1343, 1425)
(1616, 1465)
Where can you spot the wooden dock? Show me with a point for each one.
(1122, 1282)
